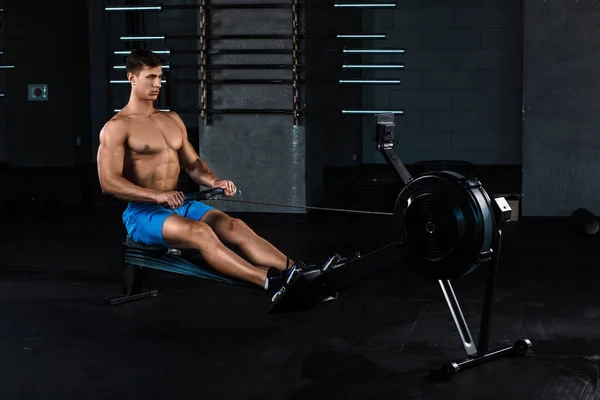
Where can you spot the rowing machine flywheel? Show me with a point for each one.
(445, 224)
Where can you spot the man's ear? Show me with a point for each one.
(131, 77)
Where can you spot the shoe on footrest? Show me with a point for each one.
(276, 281)
(319, 265)
(330, 262)
(337, 260)
(327, 263)
(280, 280)
(298, 293)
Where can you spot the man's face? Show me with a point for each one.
(147, 83)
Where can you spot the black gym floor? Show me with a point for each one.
(59, 340)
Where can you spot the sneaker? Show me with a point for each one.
(277, 295)
(293, 271)
(276, 281)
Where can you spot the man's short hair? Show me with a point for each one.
(137, 59)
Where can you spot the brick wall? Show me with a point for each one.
(561, 145)
(462, 81)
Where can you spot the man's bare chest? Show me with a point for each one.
(154, 135)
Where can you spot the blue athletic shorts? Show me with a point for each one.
(144, 221)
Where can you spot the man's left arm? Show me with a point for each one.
(196, 168)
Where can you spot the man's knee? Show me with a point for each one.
(200, 230)
(189, 233)
(236, 225)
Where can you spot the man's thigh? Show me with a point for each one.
(184, 227)
(195, 210)
(183, 232)
(144, 223)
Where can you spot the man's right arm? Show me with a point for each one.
(111, 156)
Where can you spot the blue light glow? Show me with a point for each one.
(366, 5)
(123, 67)
(371, 112)
(133, 8)
(383, 51)
(127, 52)
(371, 66)
(361, 36)
(142, 38)
(396, 82)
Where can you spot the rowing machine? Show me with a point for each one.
(445, 227)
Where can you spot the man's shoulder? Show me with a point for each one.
(117, 124)
(177, 119)
(118, 120)
(171, 114)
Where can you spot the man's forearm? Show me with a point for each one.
(201, 174)
(123, 189)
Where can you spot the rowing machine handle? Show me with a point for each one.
(204, 195)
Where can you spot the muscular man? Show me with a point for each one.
(141, 153)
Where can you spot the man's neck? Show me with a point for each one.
(141, 107)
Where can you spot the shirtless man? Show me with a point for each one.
(139, 159)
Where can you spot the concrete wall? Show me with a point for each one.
(263, 154)
(561, 144)
(461, 86)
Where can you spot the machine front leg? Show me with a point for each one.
(459, 318)
(479, 354)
